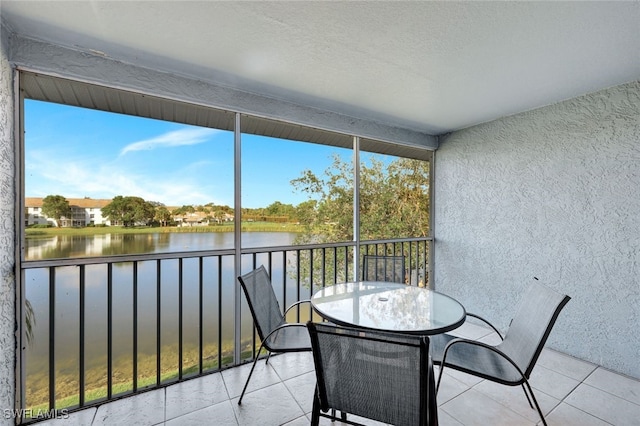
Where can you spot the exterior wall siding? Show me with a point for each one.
(7, 237)
(553, 194)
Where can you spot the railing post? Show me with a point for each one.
(356, 208)
(52, 338)
(109, 330)
(237, 237)
(200, 314)
(135, 326)
(81, 331)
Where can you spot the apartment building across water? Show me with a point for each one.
(84, 212)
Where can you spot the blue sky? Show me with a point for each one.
(77, 152)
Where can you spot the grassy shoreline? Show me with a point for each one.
(96, 392)
(95, 230)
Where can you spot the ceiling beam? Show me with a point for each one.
(95, 68)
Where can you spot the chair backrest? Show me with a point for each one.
(383, 268)
(532, 324)
(381, 376)
(262, 301)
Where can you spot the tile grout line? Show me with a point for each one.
(93, 419)
(593, 387)
(304, 413)
(606, 391)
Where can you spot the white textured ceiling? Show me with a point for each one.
(428, 66)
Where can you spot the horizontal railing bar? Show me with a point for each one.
(124, 258)
(253, 250)
(395, 240)
(332, 245)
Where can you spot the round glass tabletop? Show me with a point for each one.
(389, 307)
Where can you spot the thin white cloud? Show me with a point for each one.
(50, 174)
(188, 136)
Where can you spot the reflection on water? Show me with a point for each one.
(165, 277)
(66, 246)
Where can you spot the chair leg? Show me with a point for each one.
(432, 404)
(315, 412)
(527, 388)
(527, 395)
(439, 377)
(544, 422)
(343, 415)
(250, 373)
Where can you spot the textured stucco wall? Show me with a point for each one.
(552, 193)
(7, 240)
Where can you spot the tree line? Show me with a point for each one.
(394, 202)
(135, 211)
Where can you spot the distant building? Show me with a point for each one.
(84, 211)
(88, 211)
(199, 218)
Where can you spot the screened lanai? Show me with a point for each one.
(526, 112)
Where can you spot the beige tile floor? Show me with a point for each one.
(571, 392)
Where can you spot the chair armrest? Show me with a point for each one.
(469, 314)
(280, 327)
(293, 305)
(483, 345)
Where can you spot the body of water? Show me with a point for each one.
(66, 246)
(150, 280)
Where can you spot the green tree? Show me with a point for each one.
(56, 207)
(115, 211)
(163, 215)
(180, 211)
(219, 216)
(129, 210)
(306, 211)
(394, 203)
(213, 208)
(278, 209)
(332, 218)
(394, 200)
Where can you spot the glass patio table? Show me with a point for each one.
(389, 307)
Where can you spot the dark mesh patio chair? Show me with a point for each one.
(511, 361)
(383, 268)
(386, 377)
(276, 335)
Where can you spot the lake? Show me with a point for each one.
(67, 306)
(65, 246)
